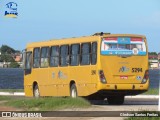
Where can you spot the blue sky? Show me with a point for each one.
(50, 19)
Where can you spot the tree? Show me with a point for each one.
(152, 53)
(7, 50)
(6, 58)
(7, 53)
(14, 65)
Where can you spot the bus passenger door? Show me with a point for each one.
(27, 58)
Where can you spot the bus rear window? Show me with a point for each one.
(123, 46)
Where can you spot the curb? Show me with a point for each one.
(12, 93)
(128, 97)
(143, 97)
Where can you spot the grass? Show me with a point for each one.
(46, 103)
(145, 118)
(152, 91)
(11, 90)
(2, 98)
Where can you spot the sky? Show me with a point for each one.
(40, 20)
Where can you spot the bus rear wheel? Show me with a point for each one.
(73, 91)
(115, 100)
(36, 92)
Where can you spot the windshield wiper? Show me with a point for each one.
(124, 56)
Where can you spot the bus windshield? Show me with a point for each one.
(123, 46)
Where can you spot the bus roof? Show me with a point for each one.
(94, 37)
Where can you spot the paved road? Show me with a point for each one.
(130, 104)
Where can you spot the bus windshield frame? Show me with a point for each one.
(126, 46)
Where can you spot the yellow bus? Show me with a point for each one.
(99, 66)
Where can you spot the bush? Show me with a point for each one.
(14, 65)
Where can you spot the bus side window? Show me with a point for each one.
(28, 60)
(64, 57)
(85, 53)
(75, 50)
(36, 57)
(44, 56)
(54, 59)
(94, 53)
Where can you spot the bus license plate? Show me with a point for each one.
(124, 77)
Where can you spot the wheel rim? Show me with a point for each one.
(36, 93)
(73, 93)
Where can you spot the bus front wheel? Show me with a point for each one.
(36, 92)
(115, 100)
(73, 91)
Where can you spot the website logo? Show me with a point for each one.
(123, 69)
(11, 10)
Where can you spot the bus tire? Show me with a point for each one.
(36, 92)
(73, 91)
(95, 97)
(115, 100)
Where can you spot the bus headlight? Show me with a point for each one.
(146, 77)
(102, 77)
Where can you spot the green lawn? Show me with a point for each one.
(2, 98)
(152, 91)
(145, 118)
(45, 103)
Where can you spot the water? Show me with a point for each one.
(11, 78)
(154, 76)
